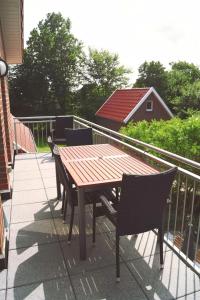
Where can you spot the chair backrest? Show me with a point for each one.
(51, 144)
(143, 200)
(60, 171)
(76, 137)
(60, 125)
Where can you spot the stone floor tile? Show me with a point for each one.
(27, 175)
(24, 185)
(48, 173)
(33, 233)
(101, 284)
(137, 246)
(193, 296)
(3, 295)
(98, 256)
(52, 193)
(30, 212)
(175, 280)
(62, 228)
(49, 182)
(35, 264)
(58, 289)
(31, 196)
(3, 274)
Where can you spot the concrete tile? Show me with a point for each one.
(35, 264)
(3, 295)
(63, 228)
(98, 256)
(58, 289)
(48, 173)
(137, 246)
(24, 185)
(193, 296)
(49, 182)
(46, 163)
(25, 166)
(31, 196)
(101, 284)
(52, 193)
(28, 234)
(30, 212)
(3, 274)
(25, 156)
(175, 280)
(27, 175)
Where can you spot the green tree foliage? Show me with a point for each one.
(183, 88)
(53, 59)
(153, 74)
(178, 136)
(103, 74)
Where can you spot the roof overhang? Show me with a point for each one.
(11, 18)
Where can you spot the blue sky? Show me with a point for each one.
(137, 30)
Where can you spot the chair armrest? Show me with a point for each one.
(107, 205)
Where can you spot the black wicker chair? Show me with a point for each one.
(76, 137)
(58, 134)
(69, 195)
(140, 208)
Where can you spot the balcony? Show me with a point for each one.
(42, 265)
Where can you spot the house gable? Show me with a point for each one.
(162, 106)
(157, 112)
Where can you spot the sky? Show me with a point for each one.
(138, 31)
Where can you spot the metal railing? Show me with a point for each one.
(182, 220)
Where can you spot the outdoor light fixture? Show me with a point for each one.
(3, 68)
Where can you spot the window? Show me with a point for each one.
(149, 105)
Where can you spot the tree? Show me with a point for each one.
(178, 136)
(53, 59)
(184, 88)
(153, 74)
(103, 74)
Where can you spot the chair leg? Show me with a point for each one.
(117, 258)
(71, 224)
(65, 203)
(94, 223)
(160, 236)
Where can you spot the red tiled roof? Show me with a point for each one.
(121, 103)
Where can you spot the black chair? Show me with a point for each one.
(58, 134)
(141, 207)
(69, 195)
(76, 137)
(51, 144)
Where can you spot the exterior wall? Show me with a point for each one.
(108, 123)
(4, 178)
(158, 112)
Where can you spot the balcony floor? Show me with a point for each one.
(43, 266)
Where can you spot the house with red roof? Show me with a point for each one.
(134, 104)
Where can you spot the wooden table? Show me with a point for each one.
(98, 166)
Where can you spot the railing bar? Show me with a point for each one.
(191, 217)
(197, 241)
(184, 205)
(169, 213)
(177, 202)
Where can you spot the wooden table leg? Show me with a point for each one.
(82, 233)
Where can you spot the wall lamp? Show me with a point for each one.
(3, 68)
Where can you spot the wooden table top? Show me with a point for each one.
(93, 165)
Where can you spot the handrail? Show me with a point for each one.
(155, 158)
(157, 149)
(174, 156)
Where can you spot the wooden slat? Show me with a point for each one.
(100, 164)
